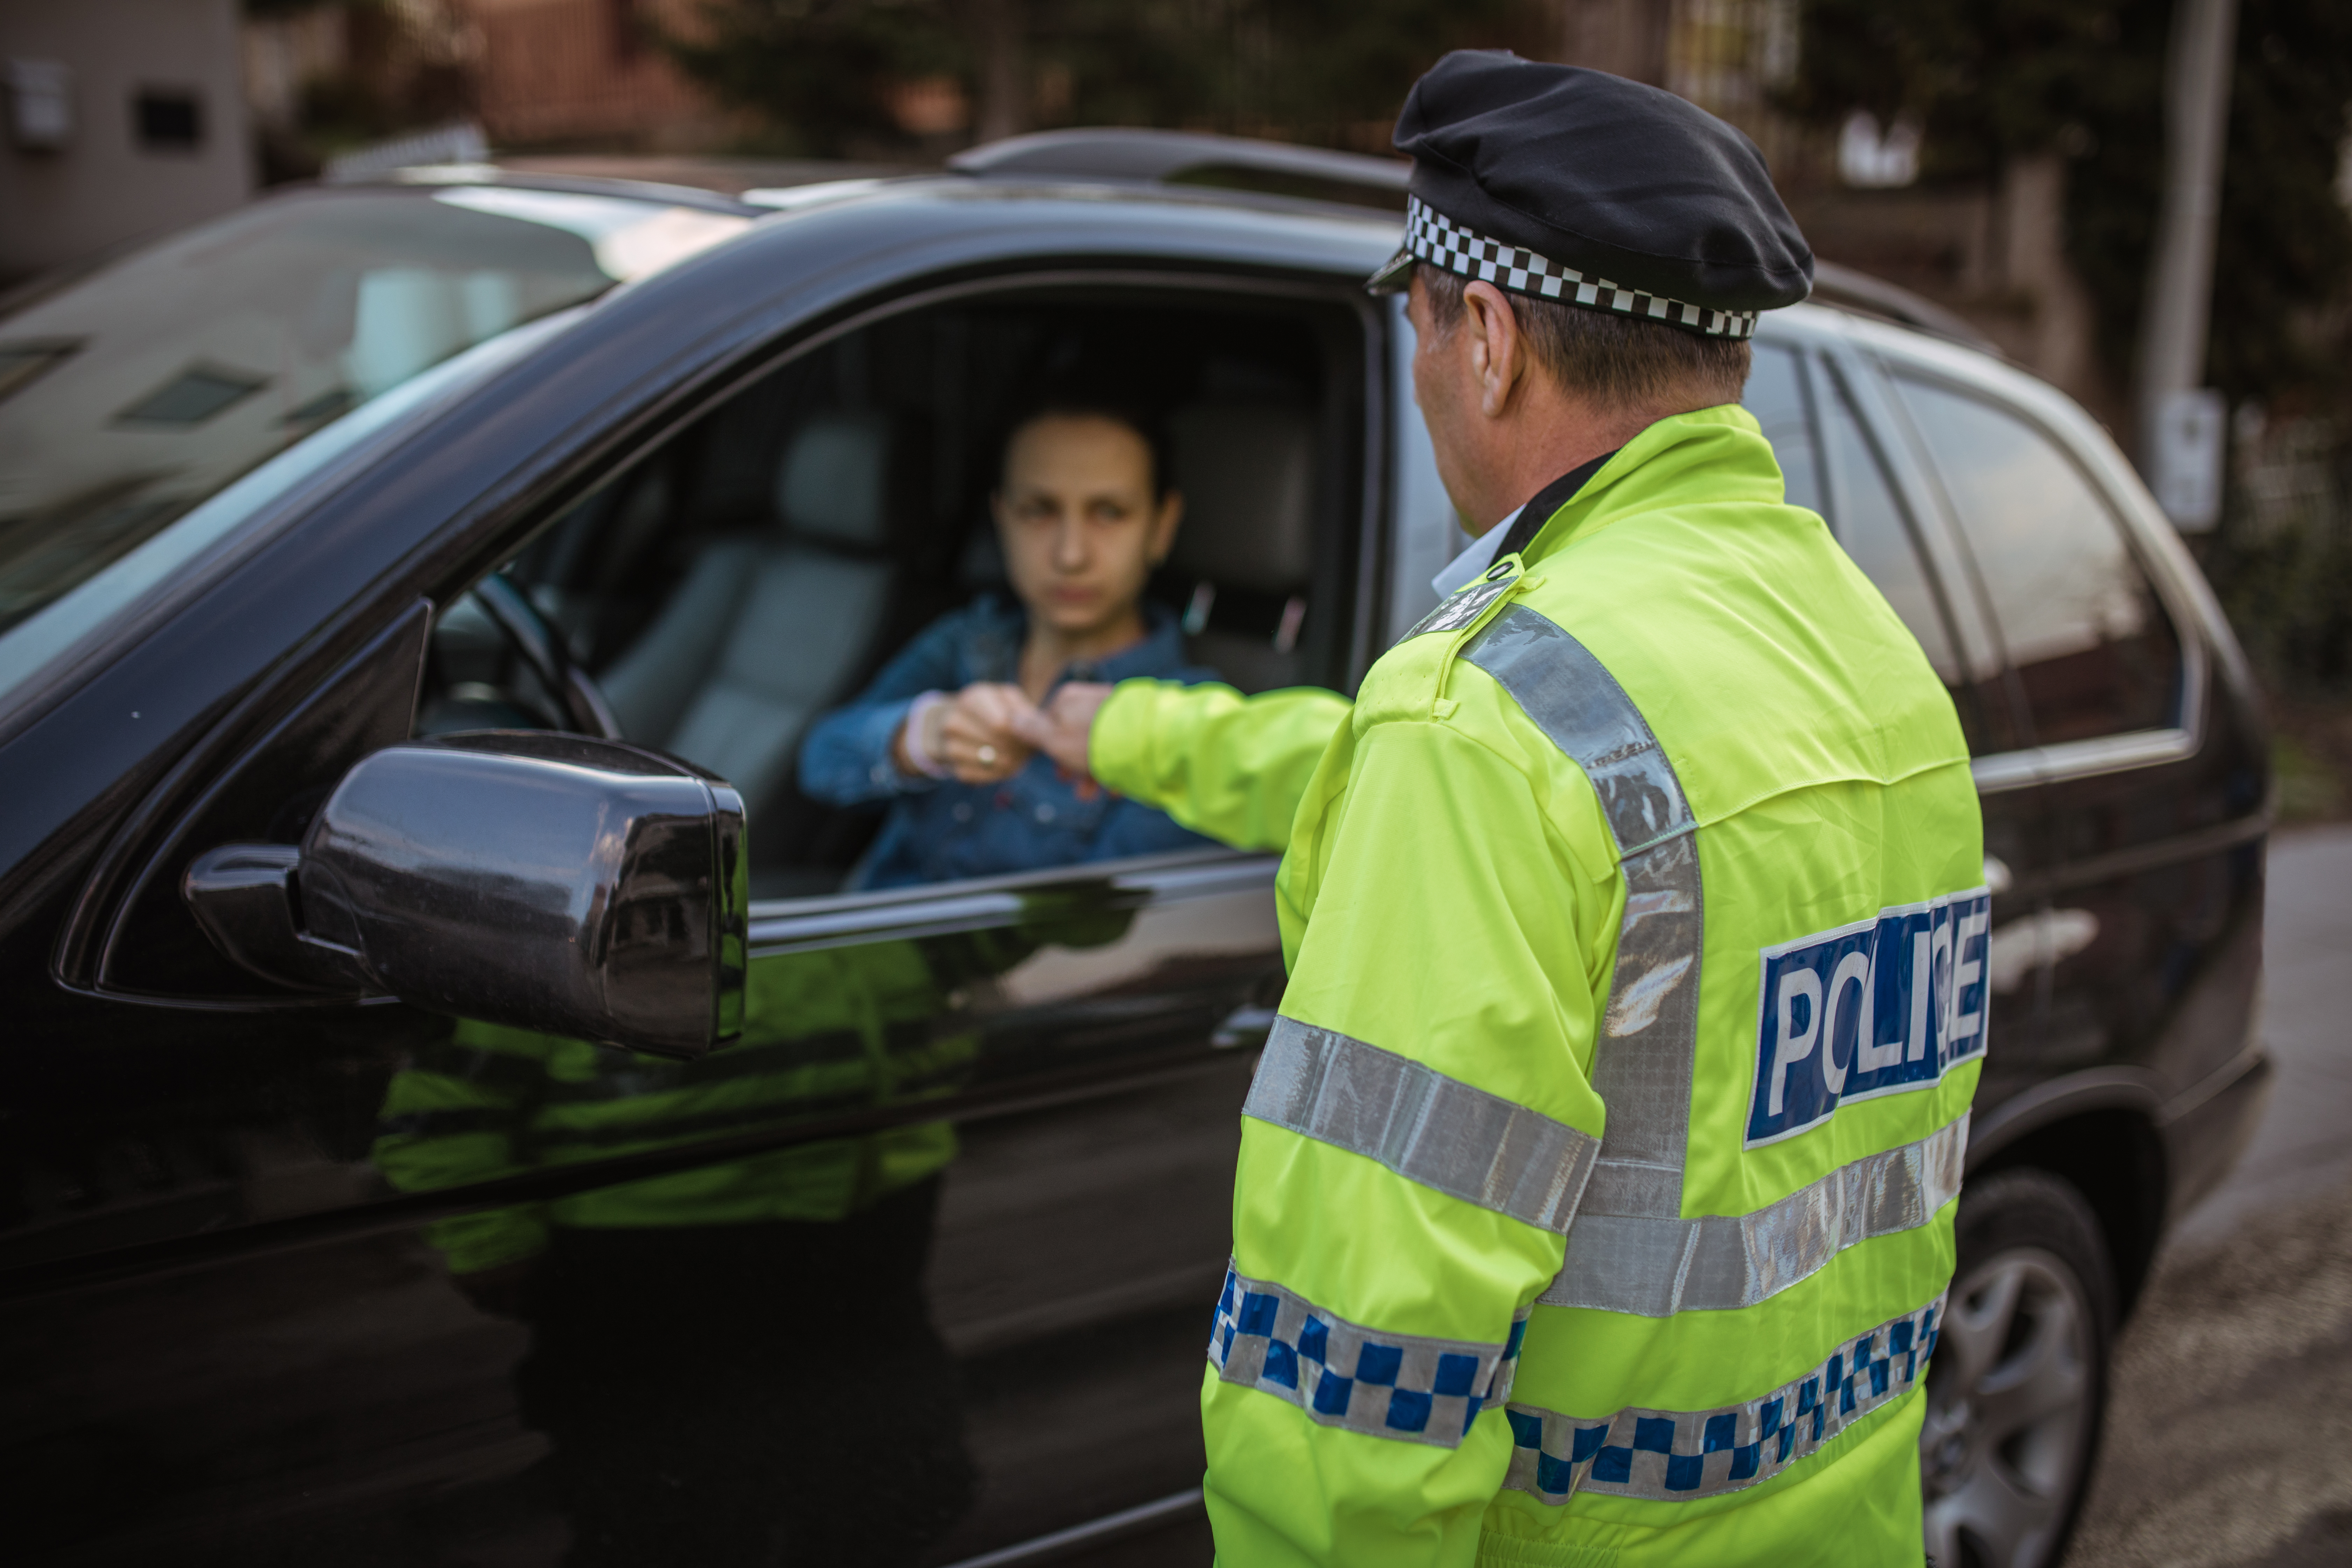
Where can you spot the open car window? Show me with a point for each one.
(758, 569)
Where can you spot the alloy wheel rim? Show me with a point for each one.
(2008, 1414)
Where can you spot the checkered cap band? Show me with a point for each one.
(1437, 239)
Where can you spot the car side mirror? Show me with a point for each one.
(552, 882)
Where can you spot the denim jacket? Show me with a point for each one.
(942, 829)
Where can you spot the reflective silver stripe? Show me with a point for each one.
(1426, 1127)
(1408, 1386)
(1649, 1038)
(1631, 1249)
(1461, 606)
(1675, 1455)
(1656, 1267)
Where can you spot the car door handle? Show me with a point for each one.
(1243, 1026)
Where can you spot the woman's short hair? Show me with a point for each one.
(1090, 403)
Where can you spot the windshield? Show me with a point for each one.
(131, 395)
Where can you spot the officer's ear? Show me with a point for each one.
(1496, 352)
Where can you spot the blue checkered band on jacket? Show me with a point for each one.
(1440, 241)
(1387, 1385)
(1672, 1456)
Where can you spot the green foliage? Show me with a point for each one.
(1987, 79)
(2285, 242)
(1310, 70)
(1994, 79)
(819, 72)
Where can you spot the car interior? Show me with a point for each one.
(752, 570)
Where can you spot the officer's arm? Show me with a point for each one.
(1233, 768)
(1412, 1152)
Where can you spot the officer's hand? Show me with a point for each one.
(1066, 725)
(976, 734)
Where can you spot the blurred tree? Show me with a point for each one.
(824, 72)
(819, 73)
(1329, 72)
(1992, 80)
(397, 66)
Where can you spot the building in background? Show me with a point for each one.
(124, 118)
(327, 76)
(591, 74)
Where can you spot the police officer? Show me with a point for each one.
(1596, 1188)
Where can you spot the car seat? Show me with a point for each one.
(769, 628)
(1247, 544)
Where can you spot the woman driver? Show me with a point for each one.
(1083, 512)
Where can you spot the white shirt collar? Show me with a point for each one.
(1472, 563)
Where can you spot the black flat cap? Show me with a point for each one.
(1583, 188)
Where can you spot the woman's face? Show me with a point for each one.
(1080, 527)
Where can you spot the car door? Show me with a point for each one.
(2144, 943)
(956, 1201)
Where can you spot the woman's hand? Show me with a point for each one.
(972, 734)
(1063, 729)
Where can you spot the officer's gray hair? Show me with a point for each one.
(1609, 358)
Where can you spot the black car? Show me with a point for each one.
(412, 595)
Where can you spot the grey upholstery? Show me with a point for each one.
(1248, 478)
(769, 628)
(833, 482)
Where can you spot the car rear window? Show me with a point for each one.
(131, 394)
(1830, 466)
(1776, 395)
(2092, 645)
(1868, 521)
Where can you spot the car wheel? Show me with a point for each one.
(2019, 1378)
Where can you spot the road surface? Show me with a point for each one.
(2230, 1436)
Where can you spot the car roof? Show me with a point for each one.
(1194, 167)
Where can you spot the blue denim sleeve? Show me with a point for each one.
(846, 758)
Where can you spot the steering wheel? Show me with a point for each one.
(541, 646)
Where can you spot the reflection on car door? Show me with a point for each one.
(2153, 854)
(981, 1126)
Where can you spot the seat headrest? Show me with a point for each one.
(833, 482)
(1248, 478)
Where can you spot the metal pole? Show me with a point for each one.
(2179, 424)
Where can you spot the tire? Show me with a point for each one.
(2019, 1381)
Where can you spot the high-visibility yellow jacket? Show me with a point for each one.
(1596, 1187)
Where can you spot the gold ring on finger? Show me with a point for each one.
(987, 756)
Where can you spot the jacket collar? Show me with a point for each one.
(1709, 454)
